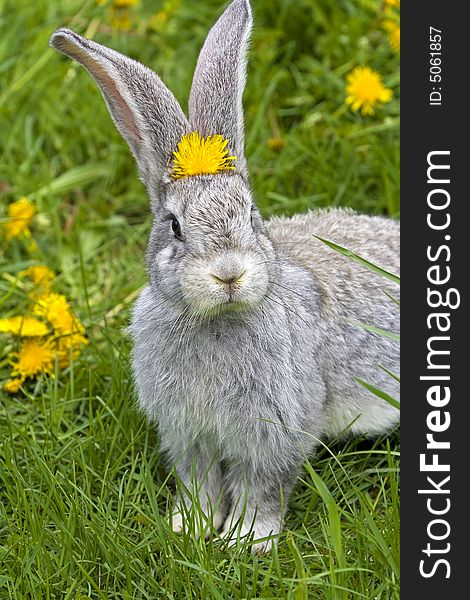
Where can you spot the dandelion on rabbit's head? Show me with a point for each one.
(197, 155)
(365, 90)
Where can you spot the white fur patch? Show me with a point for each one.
(176, 522)
(263, 528)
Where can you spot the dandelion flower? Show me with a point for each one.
(365, 90)
(50, 334)
(125, 3)
(32, 246)
(276, 143)
(119, 14)
(23, 326)
(120, 19)
(41, 275)
(12, 386)
(55, 308)
(393, 3)
(197, 155)
(68, 348)
(35, 357)
(158, 20)
(20, 215)
(393, 34)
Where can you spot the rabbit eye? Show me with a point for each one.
(176, 228)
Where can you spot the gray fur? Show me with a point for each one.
(246, 343)
(215, 101)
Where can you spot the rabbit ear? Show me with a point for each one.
(143, 109)
(215, 102)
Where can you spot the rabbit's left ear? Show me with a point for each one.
(215, 102)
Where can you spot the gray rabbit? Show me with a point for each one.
(246, 340)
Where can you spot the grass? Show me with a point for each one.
(83, 489)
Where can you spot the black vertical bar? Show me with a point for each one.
(435, 252)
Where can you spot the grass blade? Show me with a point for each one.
(377, 330)
(390, 373)
(379, 393)
(359, 259)
(72, 179)
(333, 514)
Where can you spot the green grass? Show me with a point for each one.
(83, 489)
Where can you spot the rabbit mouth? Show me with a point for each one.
(224, 299)
(232, 305)
(228, 306)
(230, 283)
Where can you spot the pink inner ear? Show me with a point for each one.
(121, 110)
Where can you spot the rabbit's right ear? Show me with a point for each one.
(143, 109)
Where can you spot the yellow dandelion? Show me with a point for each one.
(365, 90)
(393, 34)
(158, 20)
(120, 16)
(12, 386)
(23, 326)
(32, 246)
(20, 215)
(56, 309)
(393, 3)
(120, 19)
(125, 3)
(34, 357)
(197, 155)
(68, 348)
(276, 143)
(41, 275)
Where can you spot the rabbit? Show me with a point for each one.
(247, 340)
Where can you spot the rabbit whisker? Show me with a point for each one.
(284, 287)
(288, 308)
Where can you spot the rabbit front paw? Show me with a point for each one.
(265, 530)
(201, 528)
(176, 522)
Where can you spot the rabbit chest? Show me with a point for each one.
(228, 378)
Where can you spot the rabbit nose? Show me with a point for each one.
(228, 269)
(228, 279)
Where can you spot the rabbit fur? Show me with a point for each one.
(247, 340)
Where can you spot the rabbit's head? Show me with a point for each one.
(208, 247)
